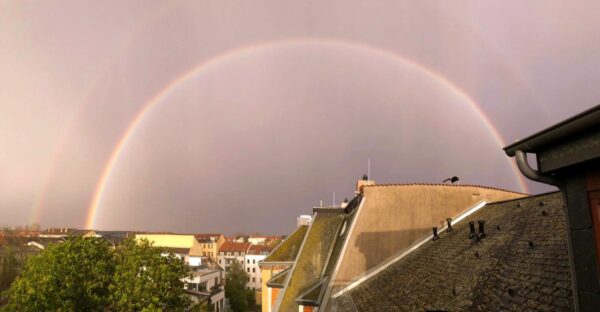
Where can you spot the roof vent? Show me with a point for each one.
(498, 227)
(518, 204)
(477, 254)
(472, 228)
(449, 228)
(435, 234)
(511, 292)
(481, 229)
(365, 177)
(530, 244)
(541, 203)
(544, 213)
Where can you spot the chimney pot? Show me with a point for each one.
(435, 233)
(449, 222)
(481, 228)
(472, 229)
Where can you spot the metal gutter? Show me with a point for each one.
(562, 130)
(531, 173)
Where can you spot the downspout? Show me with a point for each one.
(531, 173)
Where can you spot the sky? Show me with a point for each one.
(238, 116)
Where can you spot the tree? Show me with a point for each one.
(84, 274)
(9, 267)
(74, 275)
(146, 281)
(235, 287)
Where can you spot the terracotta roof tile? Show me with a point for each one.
(234, 247)
(443, 184)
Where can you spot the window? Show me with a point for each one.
(253, 261)
(248, 270)
(248, 261)
(253, 280)
(253, 270)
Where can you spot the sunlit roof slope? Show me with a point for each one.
(521, 263)
(313, 257)
(287, 250)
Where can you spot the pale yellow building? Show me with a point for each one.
(186, 246)
(211, 243)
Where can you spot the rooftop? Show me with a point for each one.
(521, 263)
(234, 247)
(287, 250)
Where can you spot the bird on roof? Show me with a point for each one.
(452, 180)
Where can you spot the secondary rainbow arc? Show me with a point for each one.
(204, 66)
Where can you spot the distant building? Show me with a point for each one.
(211, 243)
(257, 240)
(342, 247)
(185, 247)
(62, 232)
(303, 220)
(276, 265)
(231, 252)
(206, 287)
(254, 255)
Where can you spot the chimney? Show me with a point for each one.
(481, 228)
(472, 228)
(344, 203)
(449, 228)
(363, 182)
(435, 234)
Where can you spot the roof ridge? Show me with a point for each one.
(445, 184)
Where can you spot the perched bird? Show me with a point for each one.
(452, 180)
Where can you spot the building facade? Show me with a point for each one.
(232, 252)
(255, 254)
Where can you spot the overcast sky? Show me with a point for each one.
(287, 102)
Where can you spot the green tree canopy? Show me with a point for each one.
(235, 287)
(146, 281)
(70, 276)
(84, 274)
(9, 267)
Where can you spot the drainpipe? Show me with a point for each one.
(531, 173)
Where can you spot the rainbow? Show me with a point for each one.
(40, 200)
(210, 63)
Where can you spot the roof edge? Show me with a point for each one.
(575, 124)
(443, 184)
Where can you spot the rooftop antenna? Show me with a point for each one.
(333, 204)
(321, 204)
(369, 168)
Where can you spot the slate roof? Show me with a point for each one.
(278, 280)
(522, 264)
(313, 258)
(287, 250)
